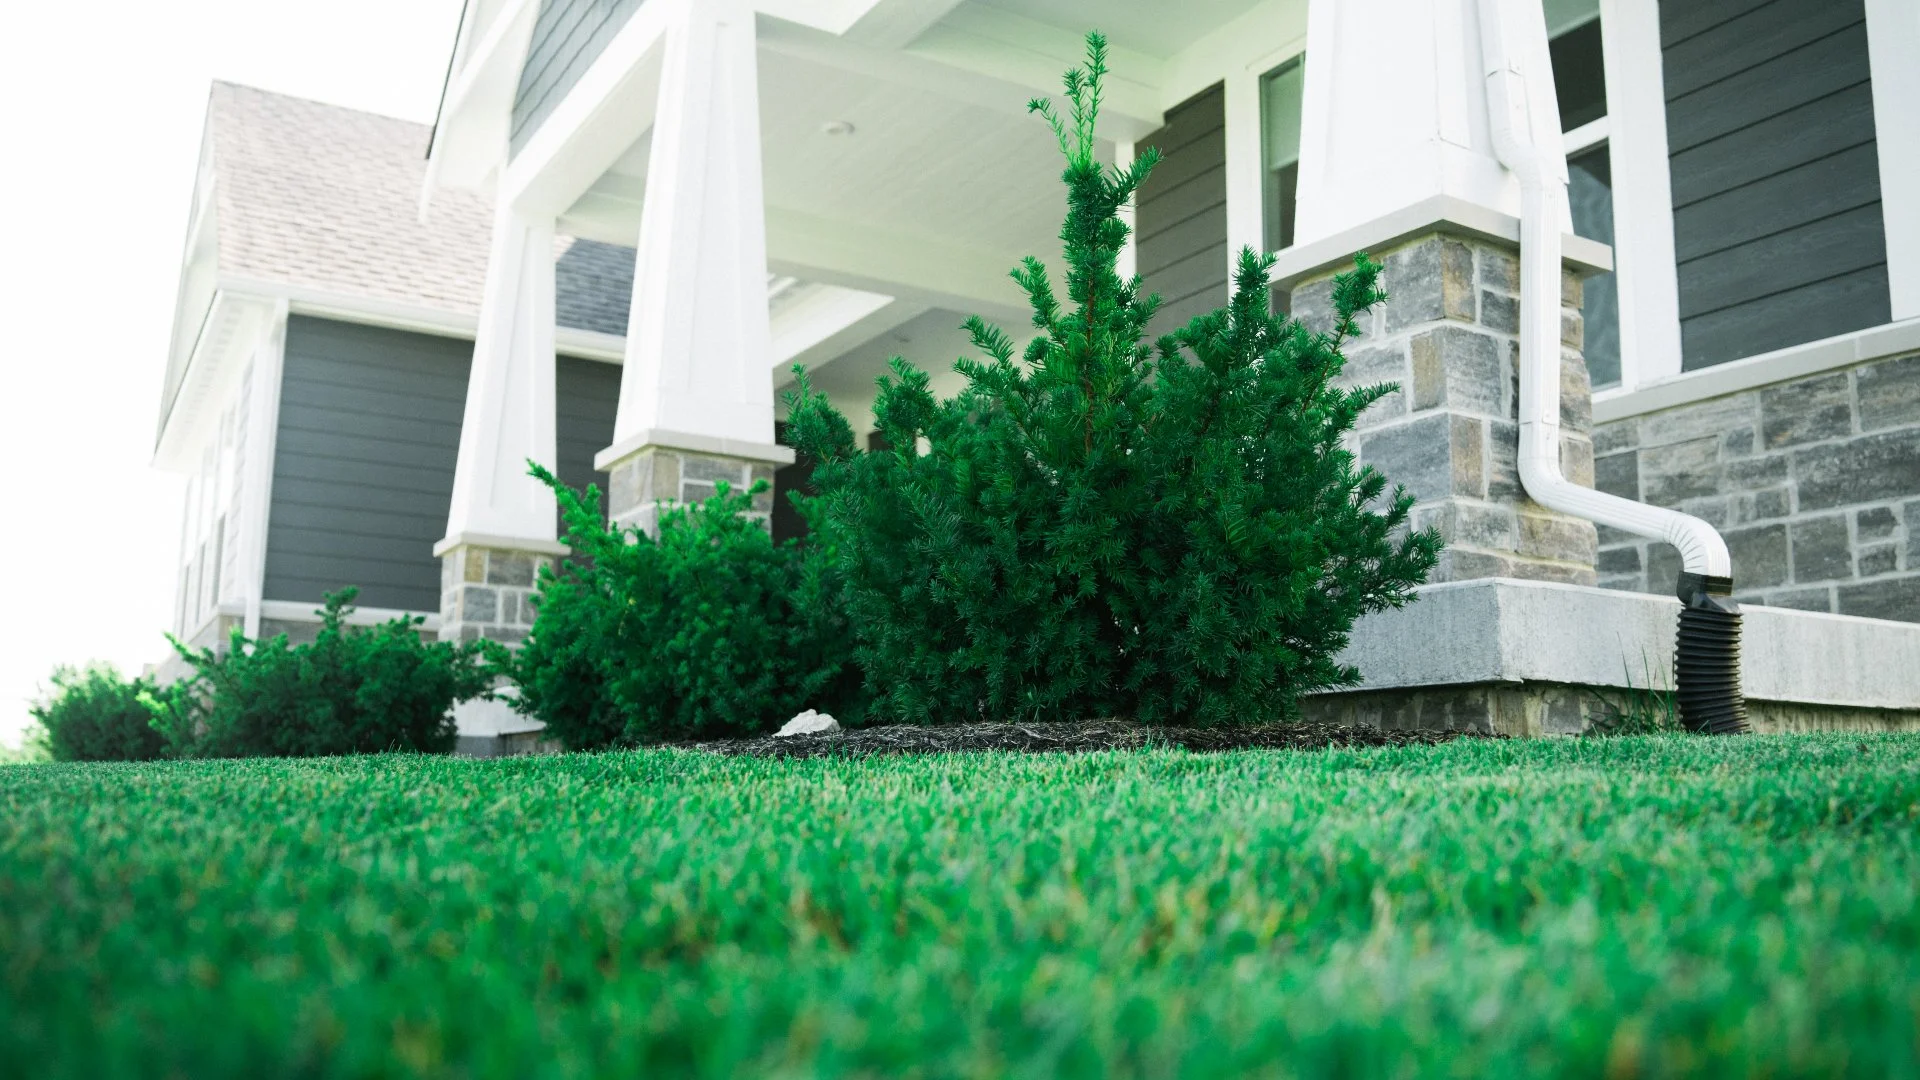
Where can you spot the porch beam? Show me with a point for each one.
(915, 269)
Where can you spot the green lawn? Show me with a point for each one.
(1742, 906)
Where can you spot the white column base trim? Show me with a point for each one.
(771, 453)
(1440, 213)
(509, 543)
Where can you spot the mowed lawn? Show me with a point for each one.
(1629, 907)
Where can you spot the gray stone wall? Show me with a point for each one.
(1815, 483)
(639, 485)
(1448, 337)
(488, 592)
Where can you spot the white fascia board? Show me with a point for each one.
(1780, 365)
(212, 375)
(470, 139)
(610, 107)
(419, 318)
(830, 321)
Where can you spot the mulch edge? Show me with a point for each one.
(1081, 737)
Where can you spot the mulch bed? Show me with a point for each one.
(1084, 736)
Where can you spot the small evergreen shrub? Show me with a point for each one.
(353, 690)
(712, 630)
(1097, 527)
(94, 713)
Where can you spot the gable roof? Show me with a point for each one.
(328, 198)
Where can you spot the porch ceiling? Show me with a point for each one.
(1159, 29)
(920, 179)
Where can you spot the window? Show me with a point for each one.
(1580, 84)
(1280, 92)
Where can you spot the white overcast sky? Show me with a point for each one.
(101, 106)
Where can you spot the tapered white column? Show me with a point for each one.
(1394, 114)
(502, 523)
(696, 395)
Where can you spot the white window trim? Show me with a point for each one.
(1839, 352)
(1893, 44)
(1647, 276)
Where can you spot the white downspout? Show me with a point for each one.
(1542, 196)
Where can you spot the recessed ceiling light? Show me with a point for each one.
(837, 127)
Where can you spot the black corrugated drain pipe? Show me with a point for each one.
(1706, 659)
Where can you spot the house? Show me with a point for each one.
(632, 218)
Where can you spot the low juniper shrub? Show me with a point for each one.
(709, 630)
(94, 713)
(1096, 526)
(351, 690)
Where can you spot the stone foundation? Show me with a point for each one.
(1814, 482)
(1448, 337)
(641, 484)
(488, 592)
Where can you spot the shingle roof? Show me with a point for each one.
(327, 197)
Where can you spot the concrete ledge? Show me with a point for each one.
(1505, 631)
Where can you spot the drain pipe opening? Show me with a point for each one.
(1707, 654)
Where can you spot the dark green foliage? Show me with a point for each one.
(353, 690)
(712, 630)
(96, 714)
(1100, 528)
(1644, 907)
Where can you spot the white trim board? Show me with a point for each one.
(1439, 213)
(1780, 365)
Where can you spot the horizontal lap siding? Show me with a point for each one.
(1776, 186)
(587, 393)
(568, 36)
(1181, 215)
(363, 467)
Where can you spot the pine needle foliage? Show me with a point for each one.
(352, 690)
(708, 631)
(94, 713)
(1098, 526)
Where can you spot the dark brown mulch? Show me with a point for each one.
(1083, 736)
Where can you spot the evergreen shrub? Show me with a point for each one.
(711, 630)
(94, 713)
(1097, 527)
(353, 690)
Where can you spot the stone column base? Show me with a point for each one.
(1448, 338)
(486, 591)
(656, 470)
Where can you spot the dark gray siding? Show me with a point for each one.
(363, 469)
(1776, 185)
(586, 394)
(568, 36)
(1181, 212)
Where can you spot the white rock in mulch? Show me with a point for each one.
(808, 723)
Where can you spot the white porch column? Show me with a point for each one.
(696, 395)
(1394, 114)
(502, 524)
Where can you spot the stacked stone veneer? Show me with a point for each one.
(1815, 483)
(1448, 337)
(488, 592)
(640, 485)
